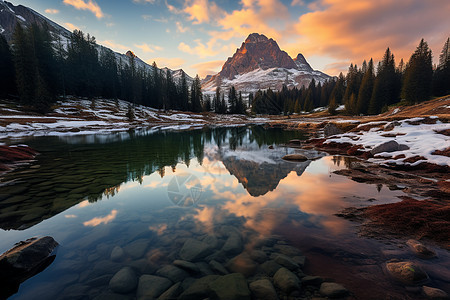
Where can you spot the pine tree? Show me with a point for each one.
(184, 93)
(386, 89)
(365, 91)
(196, 95)
(441, 78)
(7, 76)
(418, 75)
(232, 100)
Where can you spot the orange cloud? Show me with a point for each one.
(71, 27)
(171, 63)
(101, 220)
(115, 46)
(149, 48)
(82, 5)
(201, 50)
(208, 68)
(52, 11)
(202, 11)
(356, 30)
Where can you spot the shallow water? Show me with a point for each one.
(148, 192)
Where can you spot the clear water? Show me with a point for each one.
(150, 191)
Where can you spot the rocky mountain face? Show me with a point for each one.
(260, 64)
(10, 15)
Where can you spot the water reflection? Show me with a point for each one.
(136, 202)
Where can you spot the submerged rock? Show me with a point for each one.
(193, 250)
(286, 281)
(231, 286)
(434, 293)
(242, 264)
(263, 290)
(407, 272)
(420, 249)
(117, 254)
(286, 262)
(332, 290)
(123, 281)
(199, 289)
(233, 245)
(186, 265)
(23, 261)
(172, 272)
(151, 287)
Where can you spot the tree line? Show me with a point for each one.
(364, 90)
(39, 67)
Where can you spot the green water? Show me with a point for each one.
(148, 192)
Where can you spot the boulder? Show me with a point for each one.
(332, 290)
(173, 273)
(24, 260)
(117, 254)
(233, 245)
(420, 249)
(199, 289)
(217, 267)
(172, 293)
(286, 262)
(194, 250)
(242, 264)
(151, 286)
(407, 272)
(434, 293)
(231, 286)
(270, 267)
(123, 281)
(258, 256)
(389, 146)
(263, 290)
(331, 129)
(286, 281)
(186, 265)
(295, 157)
(312, 280)
(137, 248)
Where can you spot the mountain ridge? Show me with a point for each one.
(260, 64)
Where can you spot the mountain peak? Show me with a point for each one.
(256, 38)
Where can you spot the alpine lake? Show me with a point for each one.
(152, 213)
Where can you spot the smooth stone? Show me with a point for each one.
(233, 244)
(407, 272)
(137, 248)
(172, 293)
(186, 265)
(263, 290)
(123, 281)
(211, 240)
(300, 260)
(204, 268)
(295, 157)
(286, 261)
(286, 281)
(312, 280)
(174, 273)
(242, 264)
(258, 256)
(270, 267)
(99, 281)
(420, 249)
(231, 286)
(389, 146)
(117, 254)
(332, 290)
(151, 286)
(331, 129)
(194, 250)
(199, 289)
(434, 293)
(287, 250)
(218, 267)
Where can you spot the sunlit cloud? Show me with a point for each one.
(52, 11)
(159, 229)
(115, 46)
(71, 26)
(101, 220)
(149, 48)
(297, 2)
(84, 203)
(356, 30)
(208, 68)
(90, 6)
(70, 216)
(181, 28)
(171, 63)
(201, 50)
(144, 1)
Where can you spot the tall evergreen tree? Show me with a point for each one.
(441, 78)
(386, 87)
(7, 76)
(365, 91)
(418, 75)
(196, 95)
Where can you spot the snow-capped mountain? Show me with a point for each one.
(11, 14)
(260, 64)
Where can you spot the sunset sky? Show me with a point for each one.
(199, 35)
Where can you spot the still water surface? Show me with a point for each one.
(148, 192)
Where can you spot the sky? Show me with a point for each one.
(199, 35)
